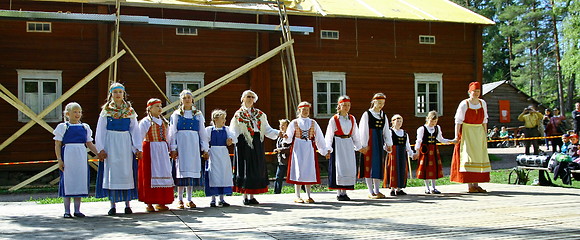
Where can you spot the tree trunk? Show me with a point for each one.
(558, 68)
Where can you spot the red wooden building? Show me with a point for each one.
(421, 54)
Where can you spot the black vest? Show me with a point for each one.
(430, 138)
(401, 141)
(376, 123)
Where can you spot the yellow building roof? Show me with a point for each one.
(407, 10)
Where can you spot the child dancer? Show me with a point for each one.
(430, 167)
(155, 180)
(70, 139)
(118, 138)
(282, 150)
(342, 140)
(396, 167)
(187, 138)
(218, 170)
(306, 137)
(374, 135)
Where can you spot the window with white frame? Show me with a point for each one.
(328, 86)
(179, 81)
(329, 34)
(38, 89)
(428, 93)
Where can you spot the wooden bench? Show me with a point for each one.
(527, 170)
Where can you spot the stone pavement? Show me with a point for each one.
(506, 212)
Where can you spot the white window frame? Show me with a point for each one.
(40, 76)
(429, 78)
(189, 33)
(39, 23)
(185, 77)
(327, 77)
(426, 39)
(329, 32)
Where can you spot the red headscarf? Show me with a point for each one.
(474, 86)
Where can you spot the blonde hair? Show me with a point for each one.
(110, 95)
(343, 97)
(301, 104)
(152, 100)
(284, 121)
(216, 113)
(395, 117)
(374, 100)
(181, 96)
(70, 107)
(431, 115)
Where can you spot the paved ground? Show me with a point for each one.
(506, 212)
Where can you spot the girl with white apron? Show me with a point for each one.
(218, 170)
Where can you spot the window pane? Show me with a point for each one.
(49, 87)
(31, 100)
(321, 98)
(334, 98)
(433, 107)
(332, 107)
(433, 98)
(31, 87)
(176, 88)
(192, 86)
(321, 87)
(335, 87)
(432, 87)
(421, 87)
(322, 108)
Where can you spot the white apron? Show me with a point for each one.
(160, 165)
(345, 161)
(302, 165)
(188, 163)
(75, 169)
(220, 167)
(118, 174)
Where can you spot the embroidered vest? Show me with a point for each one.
(430, 138)
(156, 133)
(304, 134)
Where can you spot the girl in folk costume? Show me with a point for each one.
(70, 139)
(218, 170)
(342, 140)
(249, 126)
(470, 162)
(430, 167)
(374, 136)
(155, 180)
(118, 137)
(396, 167)
(306, 137)
(187, 137)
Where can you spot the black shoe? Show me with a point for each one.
(67, 215)
(393, 193)
(79, 215)
(340, 198)
(224, 204)
(253, 201)
(401, 193)
(346, 198)
(212, 204)
(435, 191)
(112, 212)
(427, 192)
(246, 201)
(128, 210)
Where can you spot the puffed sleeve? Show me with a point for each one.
(234, 128)
(229, 132)
(387, 137)
(290, 131)
(144, 126)
(460, 113)
(269, 131)
(89, 132)
(319, 138)
(136, 135)
(59, 132)
(440, 136)
(101, 133)
(208, 134)
(364, 129)
(172, 134)
(356, 137)
(484, 106)
(203, 134)
(408, 147)
(419, 140)
(329, 137)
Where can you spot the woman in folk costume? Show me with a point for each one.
(430, 167)
(342, 139)
(249, 126)
(70, 141)
(306, 137)
(374, 136)
(470, 163)
(118, 137)
(187, 140)
(155, 179)
(218, 170)
(396, 167)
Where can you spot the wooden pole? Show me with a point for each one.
(143, 68)
(116, 37)
(24, 109)
(285, 87)
(62, 98)
(410, 170)
(34, 178)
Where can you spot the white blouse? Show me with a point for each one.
(364, 129)
(400, 133)
(462, 109)
(61, 128)
(420, 132)
(304, 124)
(346, 126)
